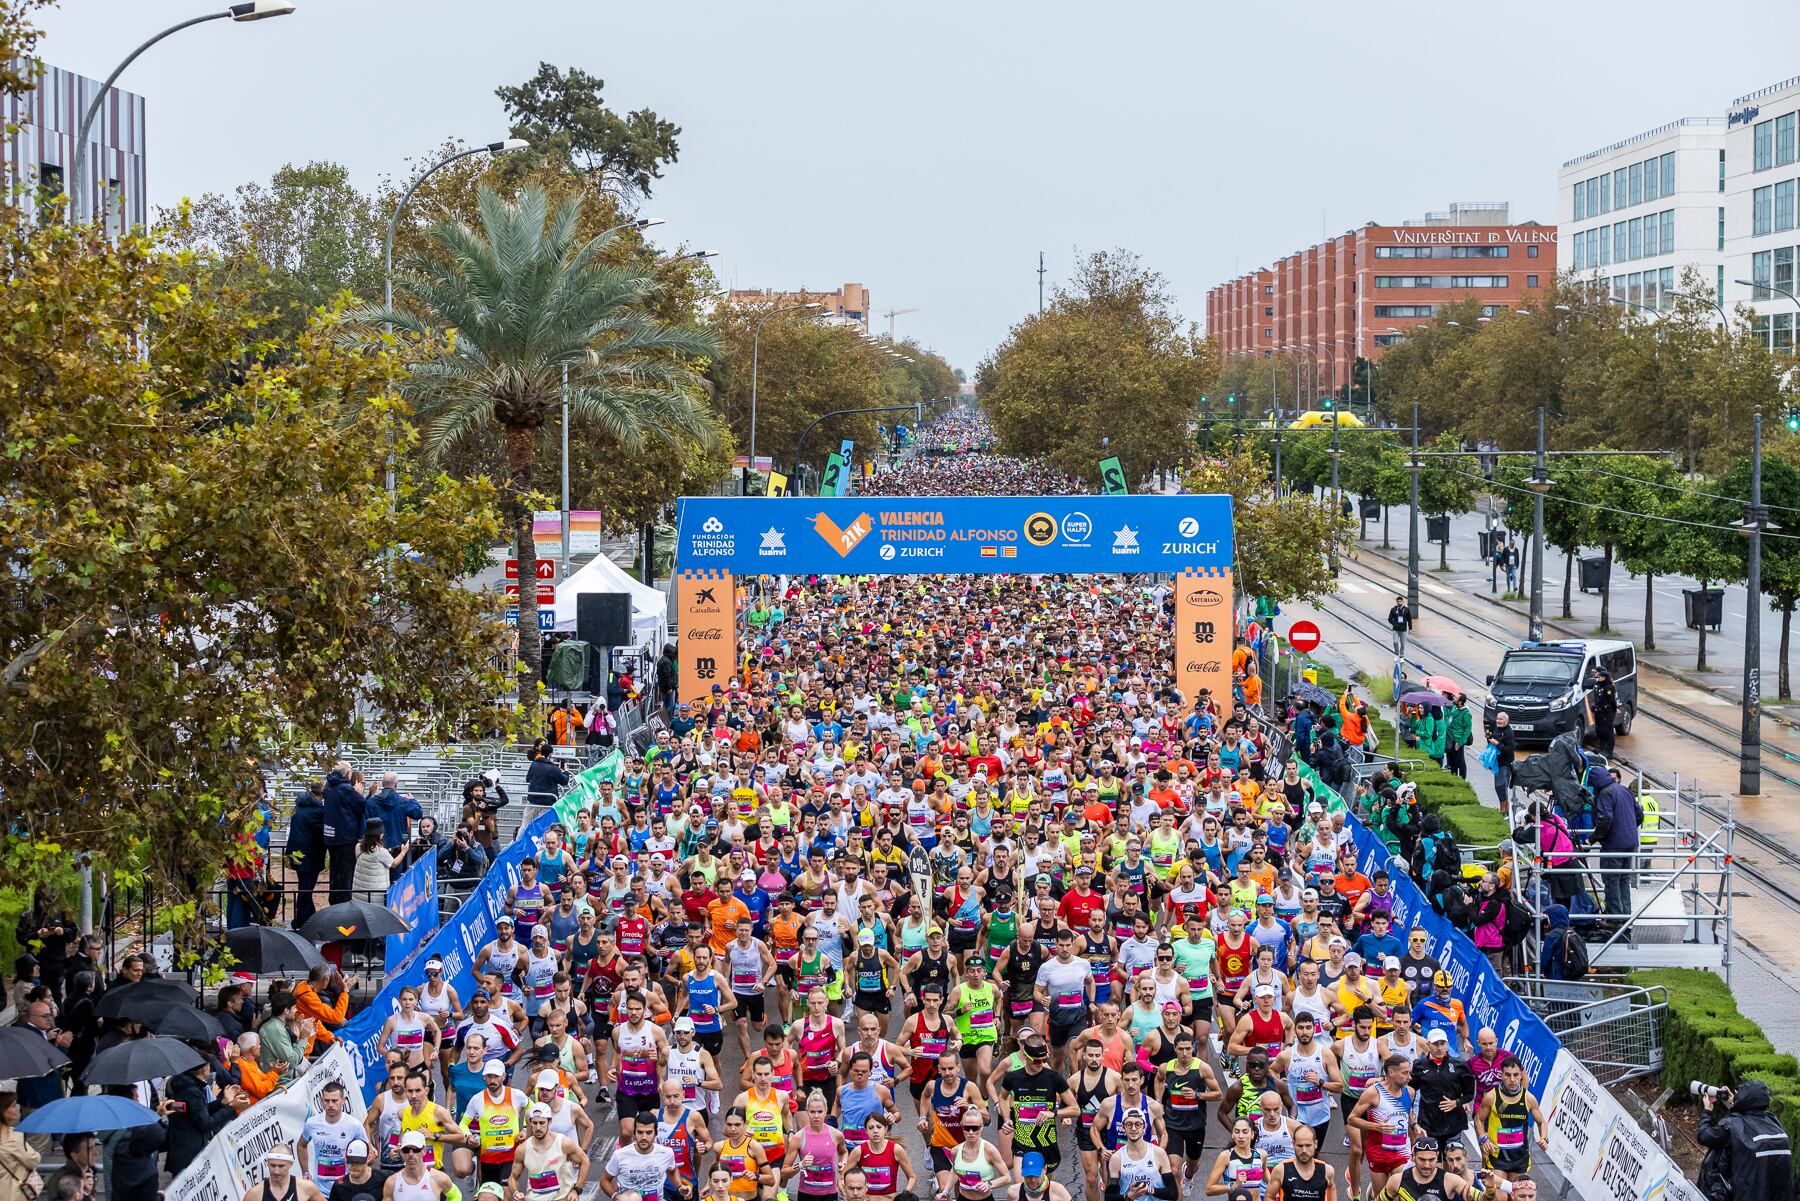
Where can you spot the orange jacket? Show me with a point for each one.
(1353, 731)
(257, 1082)
(312, 1005)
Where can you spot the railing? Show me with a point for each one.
(1615, 1030)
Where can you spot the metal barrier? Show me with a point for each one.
(1615, 1030)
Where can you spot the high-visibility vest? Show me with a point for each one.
(1652, 823)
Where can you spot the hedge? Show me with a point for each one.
(1707, 1038)
(1440, 791)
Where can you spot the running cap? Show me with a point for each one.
(546, 1079)
(538, 1110)
(1032, 1164)
(684, 1023)
(494, 1067)
(413, 1138)
(492, 1188)
(356, 1149)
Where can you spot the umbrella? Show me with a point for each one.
(142, 1059)
(186, 1022)
(26, 1054)
(1443, 684)
(145, 998)
(353, 919)
(1313, 694)
(266, 950)
(1424, 696)
(87, 1115)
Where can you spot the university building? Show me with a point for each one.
(1358, 293)
(39, 148)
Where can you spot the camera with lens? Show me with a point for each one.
(1700, 1088)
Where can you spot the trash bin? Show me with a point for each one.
(1593, 574)
(1437, 529)
(1484, 542)
(1704, 604)
(1371, 509)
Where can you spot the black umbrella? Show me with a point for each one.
(24, 1053)
(186, 1022)
(1313, 694)
(353, 919)
(145, 999)
(265, 950)
(142, 1059)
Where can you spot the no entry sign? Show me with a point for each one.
(1303, 636)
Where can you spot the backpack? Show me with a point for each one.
(1516, 923)
(1572, 956)
(568, 666)
(1445, 855)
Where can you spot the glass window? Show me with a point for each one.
(1619, 255)
(1605, 240)
(1652, 180)
(1784, 267)
(1763, 151)
(1634, 246)
(1721, 227)
(1531, 251)
(1784, 333)
(1605, 182)
(1531, 281)
(1634, 288)
(1784, 204)
(1634, 181)
(1667, 231)
(1761, 265)
(1721, 169)
(1762, 211)
(1580, 211)
(1665, 283)
(1619, 200)
(1667, 166)
(1784, 139)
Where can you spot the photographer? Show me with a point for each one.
(424, 842)
(1748, 1154)
(464, 858)
(483, 798)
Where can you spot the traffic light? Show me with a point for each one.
(1793, 420)
(1330, 403)
(1231, 398)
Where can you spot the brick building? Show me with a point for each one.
(1358, 293)
(849, 305)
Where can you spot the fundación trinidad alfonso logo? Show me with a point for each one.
(713, 525)
(845, 539)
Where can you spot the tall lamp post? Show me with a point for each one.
(250, 10)
(755, 361)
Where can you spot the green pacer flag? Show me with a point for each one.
(836, 479)
(585, 788)
(1112, 477)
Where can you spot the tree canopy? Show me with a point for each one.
(564, 117)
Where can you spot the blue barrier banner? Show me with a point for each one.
(456, 942)
(959, 535)
(413, 896)
(1486, 999)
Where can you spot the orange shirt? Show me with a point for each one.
(257, 1083)
(725, 914)
(785, 933)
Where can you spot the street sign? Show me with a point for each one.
(545, 569)
(546, 618)
(1304, 636)
(546, 593)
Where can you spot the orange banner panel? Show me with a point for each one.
(1203, 637)
(706, 609)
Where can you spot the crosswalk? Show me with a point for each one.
(1355, 587)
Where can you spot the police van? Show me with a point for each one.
(1543, 687)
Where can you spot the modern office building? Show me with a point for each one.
(1354, 295)
(1761, 172)
(39, 148)
(849, 305)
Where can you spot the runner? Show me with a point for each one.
(549, 1166)
(682, 1129)
(1139, 1169)
(1507, 1121)
(1186, 1086)
(495, 1121)
(414, 1181)
(1240, 1165)
(814, 1152)
(325, 1136)
(1384, 1114)
(880, 1160)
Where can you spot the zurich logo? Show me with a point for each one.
(1076, 528)
(887, 550)
(713, 525)
(1189, 527)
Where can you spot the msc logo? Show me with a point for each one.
(1040, 529)
(1204, 598)
(713, 525)
(1189, 527)
(1076, 529)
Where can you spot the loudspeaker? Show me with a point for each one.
(603, 618)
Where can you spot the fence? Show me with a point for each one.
(1616, 1030)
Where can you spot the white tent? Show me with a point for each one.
(649, 606)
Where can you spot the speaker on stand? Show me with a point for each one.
(603, 621)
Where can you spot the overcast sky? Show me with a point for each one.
(930, 150)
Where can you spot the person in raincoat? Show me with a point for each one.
(1462, 733)
(1432, 730)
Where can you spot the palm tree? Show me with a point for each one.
(524, 299)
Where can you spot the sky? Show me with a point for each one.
(931, 150)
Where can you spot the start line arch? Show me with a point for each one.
(721, 537)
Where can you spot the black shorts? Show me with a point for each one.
(1063, 1028)
(1191, 1143)
(631, 1105)
(713, 1041)
(969, 1050)
(1084, 1138)
(1052, 1154)
(1203, 1009)
(874, 1002)
(603, 1027)
(1514, 1162)
(499, 1173)
(962, 943)
(750, 1006)
(940, 1159)
(827, 1088)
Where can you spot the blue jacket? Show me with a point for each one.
(306, 833)
(1615, 818)
(345, 810)
(392, 808)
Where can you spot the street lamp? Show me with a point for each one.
(697, 254)
(250, 10)
(755, 361)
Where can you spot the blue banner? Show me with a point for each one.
(1486, 999)
(456, 942)
(413, 896)
(966, 535)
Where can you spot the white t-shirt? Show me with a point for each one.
(1064, 981)
(325, 1143)
(645, 1171)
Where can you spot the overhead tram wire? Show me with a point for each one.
(1736, 500)
(1563, 500)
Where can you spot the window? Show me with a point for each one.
(1634, 246)
(1634, 178)
(1652, 180)
(1268, 310)
(1667, 166)
(1531, 251)
(1605, 240)
(1593, 197)
(1784, 268)
(1388, 339)
(1619, 200)
(1784, 204)
(1441, 252)
(1619, 255)
(1721, 227)
(1665, 282)
(1405, 310)
(1268, 333)
(1761, 264)
(1784, 333)
(1784, 139)
(1580, 213)
(1762, 211)
(1721, 170)
(1666, 232)
(1634, 288)
(1531, 281)
(1762, 155)
(1605, 182)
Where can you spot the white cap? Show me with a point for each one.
(538, 1110)
(1438, 1035)
(494, 1067)
(413, 1138)
(684, 1023)
(1392, 962)
(1265, 990)
(546, 1079)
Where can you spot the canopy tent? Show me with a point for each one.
(649, 606)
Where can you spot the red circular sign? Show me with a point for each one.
(1304, 636)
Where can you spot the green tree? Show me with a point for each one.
(1282, 544)
(1781, 556)
(1106, 369)
(519, 303)
(563, 115)
(1374, 467)
(1701, 542)
(1446, 486)
(295, 243)
(1624, 495)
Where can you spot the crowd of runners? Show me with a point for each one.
(947, 863)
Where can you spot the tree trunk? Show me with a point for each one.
(1568, 582)
(1783, 690)
(1649, 611)
(1606, 595)
(1385, 544)
(1444, 555)
(521, 457)
(1700, 662)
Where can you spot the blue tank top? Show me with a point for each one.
(528, 907)
(703, 1002)
(666, 796)
(551, 870)
(858, 1104)
(562, 928)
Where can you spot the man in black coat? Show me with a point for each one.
(345, 810)
(1759, 1157)
(306, 847)
(195, 1115)
(1446, 1088)
(1400, 619)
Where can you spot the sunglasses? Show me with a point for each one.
(412, 1150)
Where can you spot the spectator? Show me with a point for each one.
(1505, 743)
(39, 1091)
(306, 847)
(393, 809)
(48, 931)
(195, 1114)
(544, 780)
(324, 996)
(82, 1021)
(1616, 819)
(232, 1013)
(464, 860)
(1400, 619)
(81, 1160)
(427, 839)
(345, 812)
(245, 1069)
(19, 1180)
(374, 864)
(565, 724)
(1760, 1163)
(667, 677)
(27, 978)
(133, 1171)
(1460, 734)
(285, 1037)
(1493, 913)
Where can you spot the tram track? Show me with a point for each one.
(1788, 892)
